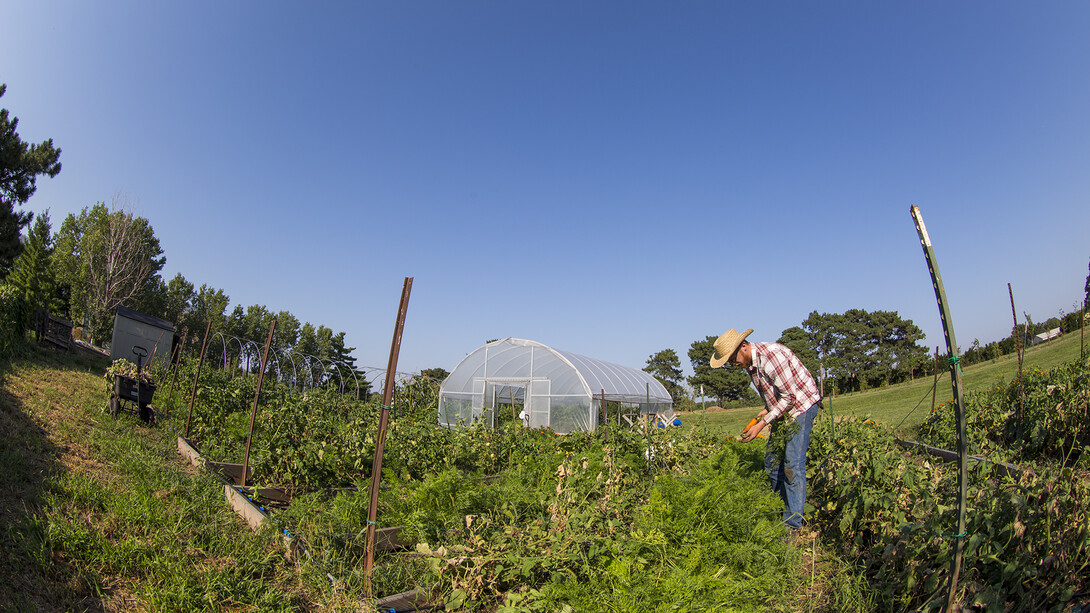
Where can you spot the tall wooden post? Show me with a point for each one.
(193, 395)
(177, 363)
(253, 412)
(380, 442)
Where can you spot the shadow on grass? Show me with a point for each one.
(33, 577)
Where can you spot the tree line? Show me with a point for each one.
(107, 257)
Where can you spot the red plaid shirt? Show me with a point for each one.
(782, 381)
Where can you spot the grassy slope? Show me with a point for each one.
(100, 513)
(905, 405)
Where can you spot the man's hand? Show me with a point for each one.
(752, 431)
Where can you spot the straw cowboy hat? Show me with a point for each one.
(726, 345)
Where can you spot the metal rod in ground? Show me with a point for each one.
(647, 428)
(1018, 352)
(605, 419)
(177, 363)
(380, 441)
(935, 382)
(959, 406)
(193, 394)
(253, 413)
(704, 406)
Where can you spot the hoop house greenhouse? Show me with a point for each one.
(547, 387)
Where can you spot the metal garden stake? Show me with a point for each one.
(955, 380)
(1018, 351)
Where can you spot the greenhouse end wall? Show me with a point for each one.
(555, 389)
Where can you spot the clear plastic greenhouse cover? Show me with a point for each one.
(555, 389)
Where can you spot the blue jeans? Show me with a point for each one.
(787, 475)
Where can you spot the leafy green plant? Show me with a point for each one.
(1026, 539)
(783, 432)
(124, 368)
(1045, 415)
(512, 518)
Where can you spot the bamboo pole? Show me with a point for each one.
(380, 442)
(193, 394)
(955, 381)
(253, 412)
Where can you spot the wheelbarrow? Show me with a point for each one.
(136, 391)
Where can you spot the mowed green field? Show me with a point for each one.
(905, 405)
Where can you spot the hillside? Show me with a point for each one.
(100, 514)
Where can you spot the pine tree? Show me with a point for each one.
(20, 165)
(31, 273)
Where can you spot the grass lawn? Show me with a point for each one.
(905, 405)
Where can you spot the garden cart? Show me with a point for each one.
(134, 390)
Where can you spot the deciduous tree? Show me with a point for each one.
(179, 301)
(666, 367)
(437, 375)
(209, 305)
(106, 258)
(287, 330)
(863, 349)
(122, 253)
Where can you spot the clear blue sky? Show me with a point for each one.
(611, 179)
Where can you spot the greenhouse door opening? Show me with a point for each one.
(505, 401)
